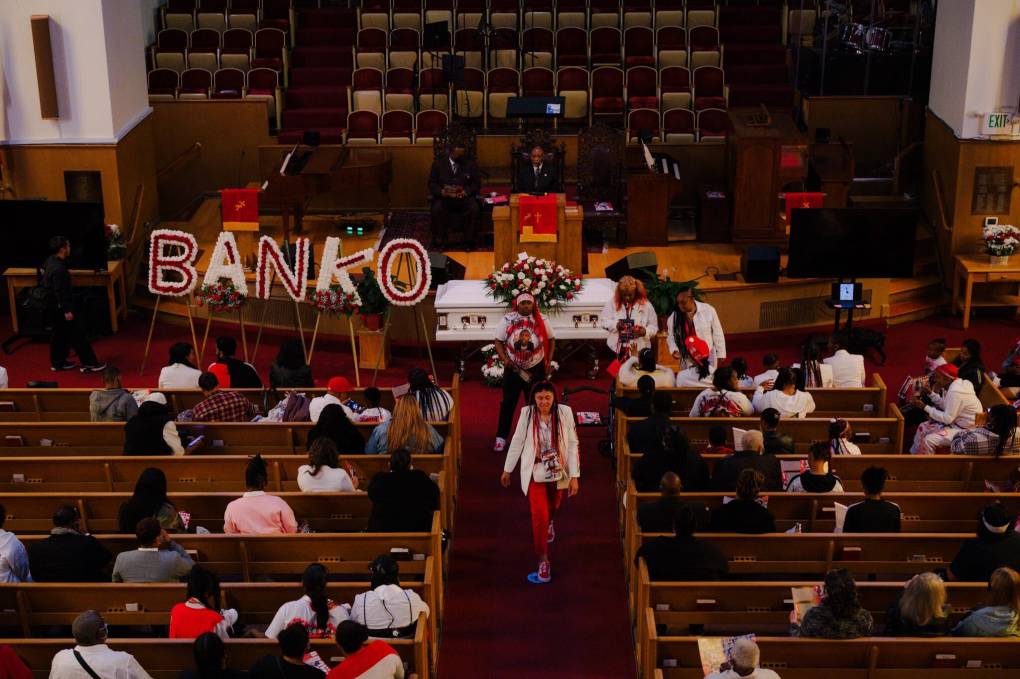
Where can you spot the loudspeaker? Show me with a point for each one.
(44, 74)
(453, 68)
(760, 264)
(638, 264)
(436, 36)
(444, 269)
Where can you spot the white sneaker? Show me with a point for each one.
(500, 445)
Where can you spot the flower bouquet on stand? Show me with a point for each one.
(222, 297)
(1001, 241)
(551, 284)
(492, 366)
(335, 301)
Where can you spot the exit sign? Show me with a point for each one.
(997, 124)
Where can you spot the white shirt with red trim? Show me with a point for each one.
(374, 660)
(301, 611)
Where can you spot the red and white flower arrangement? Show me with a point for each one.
(389, 256)
(552, 284)
(1001, 240)
(173, 252)
(335, 301)
(222, 296)
(492, 366)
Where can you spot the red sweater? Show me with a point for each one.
(189, 623)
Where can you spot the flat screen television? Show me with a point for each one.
(26, 227)
(852, 243)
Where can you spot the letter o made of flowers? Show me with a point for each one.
(388, 258)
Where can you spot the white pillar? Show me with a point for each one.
(976, 64)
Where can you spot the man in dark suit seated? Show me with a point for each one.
(453, 185)
(751, 455)
(659, 516)
(538, 176)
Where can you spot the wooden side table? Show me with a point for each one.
(113, 279)
(975, 269)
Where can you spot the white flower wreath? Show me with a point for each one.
(387, 263)
(182, 262)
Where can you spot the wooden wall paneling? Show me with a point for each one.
(136, 164)
(44, 74)
(873, 124)
(941, 155)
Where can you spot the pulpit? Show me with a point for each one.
(565, 249)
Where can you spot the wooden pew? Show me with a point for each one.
(866, 658)
(30, 608)
(932, 473)
(859, 402)
(324, 512)
(166, 658)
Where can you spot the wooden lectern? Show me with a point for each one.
(567, 248)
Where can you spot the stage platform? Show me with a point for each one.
(743, 307)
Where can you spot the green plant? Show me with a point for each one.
(372, 300)
(662, 292)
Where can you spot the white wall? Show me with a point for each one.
(149, 26)
(99, 71)
(976, 65)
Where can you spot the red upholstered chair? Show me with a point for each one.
(397, 128)
(205, 39)
(433, 90)
(504, 13)
(439, 10)
(638, 47)
(249, 21)
(405, 43)
(642, 88)
(607, 92)
(504, 48)
(637, 13)
(606, 46)
(236, 50)
(603, 13)
(264, 85)
(362, 128)
(469, 103)
(171, 49)
(276, 14)
(571, 47)
(574, 85)
(538, 48)
(709, 88)
(669, 13)
(538, 82)
(195, 84)
(216, 21)
(270, 46)
(399, 94)
(427, 125)
(467, 42)
(701, 14)
(367, 90)
(573, 13)
(228, 83)
(643, 119)
(374, 14)
(503, 84)
(704, 46)
(371, 49)
(675, 87)
(469, 13)
(163, 84)
(671, 43)
(538, 14)
(407, 14)
(179, 14)
(713, 124)
(172, 39)
(678, 126)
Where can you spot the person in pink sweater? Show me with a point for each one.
(255, 512)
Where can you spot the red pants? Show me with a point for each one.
(545, 499)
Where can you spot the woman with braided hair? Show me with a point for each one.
(435, 403)
(545, 443)
(692, 317)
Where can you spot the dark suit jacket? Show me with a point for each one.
(442, 175)
(724, 476)
(547, 182)
(658, 516)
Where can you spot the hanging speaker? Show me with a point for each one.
(636, 264)
(44, 66)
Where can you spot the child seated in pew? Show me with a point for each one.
(201, 612)
(256, 513)
(921, 610)
(1001, 618)
(771, 364)
(374, 412)
(716, 442)
(739, 365)
(933, 355)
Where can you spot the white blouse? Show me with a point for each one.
(179, 376)
(797, 404)
(328, 479)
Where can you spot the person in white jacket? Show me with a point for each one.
(545, 443)
(692, 317)
(784, 396)
(847, 369)
(723, 399)
(635, 367)
(13, 556)
(629, 317)
(948, 414)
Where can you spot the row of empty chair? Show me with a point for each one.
(221, 15)
(226, 83)
(237, 48)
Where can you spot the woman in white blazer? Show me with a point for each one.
(547, 450)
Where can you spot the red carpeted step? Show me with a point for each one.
(324, 36)
(770, 95)
(327, 135)
(320, 77)
(314, 117)
(317, 97)
(738, 54)
(322, 57)
(764, 34)
(329, 17)
(754, 74)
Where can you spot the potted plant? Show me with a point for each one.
(373, 303)
(1001, 241)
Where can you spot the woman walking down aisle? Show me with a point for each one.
(545, 443)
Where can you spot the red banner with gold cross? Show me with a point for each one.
(537, 217)
(802, 200)
(240, 209)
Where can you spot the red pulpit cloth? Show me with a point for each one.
(795, 200)
(537, 217)
(240, 209)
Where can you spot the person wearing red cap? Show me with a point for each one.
(696, 369)
(525, 345)
(338, 391)
(948, 414)
(694, 317)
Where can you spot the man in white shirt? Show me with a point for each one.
(89, 630)
(13, 556)
(338, 391)
(629, 317)
(693, 317)
(847, 368)
(948, 414)
(744, 658)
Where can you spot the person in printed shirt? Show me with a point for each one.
(948, 415)
(525, 345)
(201, 612)
(319, 614)
(365, 659)
(692, 317)
(629, 318)
(723, 399)
(374, 412)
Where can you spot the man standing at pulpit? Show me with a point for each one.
(453, 185)
(538, 176)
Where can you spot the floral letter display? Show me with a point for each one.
(295, 280)
(388, 258)
(180, 259)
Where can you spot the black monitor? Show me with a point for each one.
(852, 243)
(534, 107)
(28, 226)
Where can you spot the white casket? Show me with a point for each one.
(466, 313)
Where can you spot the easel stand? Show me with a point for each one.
(208, 325)
(152, 327)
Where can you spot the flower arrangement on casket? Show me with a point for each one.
(1001, 240)
(551, 284)
(336, 302)
(222, 296)
(492, 366)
